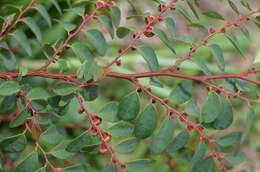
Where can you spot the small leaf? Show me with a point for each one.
(201, 64)
(8, 88)
(178, 142)
(29, 164)
(233, 6)
(233, 39)
(197, 156)
(150, 57)
(229, 139)
(56, 4)
(97, 39)
(23, 71)
(162, 35)
(192, 9)
(80, 10)
(15, 143)
(218, 55)
(107, 22)
(146, 122)
(23, 41)
(121, 129)
(204, 165)
(42, 10)
(235, 158)
(182, 92)
(163, 138)
(60, 152)
(129, 107)
(122, 32)
(249, 123)
(171, 26)
(127, 146)
(82, 140)
(184, 12)
(64, 88)
(225, 118)
(82, 51)
(76, 168)
(192, 108)
(140, 165)
(110, 168)
(38, 93)
(68, 26)
(90, 92)
(34, 28)
(211, 108)
(20, 119)
(116, 15)
(109, 112)
(53, 135)
(213, 14)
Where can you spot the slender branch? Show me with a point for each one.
(204, 41)
(6, 29)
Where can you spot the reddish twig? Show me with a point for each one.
(6, 29)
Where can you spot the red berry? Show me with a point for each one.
(102, 148)
(111, 3)
(200, 128)
(182, 117)
(133, 48)
(161, 8)
(223, 30)
(81, 110)
(106, 137)
(122, 166)
(190, 127)
(211, 30)
(100, 4)
(114, 160)
(96, 120)
(121, 50)
(118, 63)
(93, 131)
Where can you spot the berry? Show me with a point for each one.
(118, 63)
(133, 48)
(93, 131)
(190, 127)
(111, 3)
(211, 30)
(121, 50)
(161, 8)
(81, 110)
(223, 30)
(102, 148)
(200, 128)
(100, 4)
(96, 120)
(107, 138)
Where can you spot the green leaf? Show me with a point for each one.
(80, 10)
(127, 146)
(82, 51)
(8, 88)
(22, 71)
(38, 93)
(170, 23)
(211, 108)
(121, 129)
(29, 164)
(249, 123)
(107, 22)
(197, 156)
(23, 41)
(204, 165)
(53, 135)
(225, 118)
(60, 152)
(235, 158)
(97, 39)
(178, 142)
(140, 165)
(64, 88)
(87, 70)
(43, 169)
(68, 26)
(213, 14)
(150, 57)
(56, 4)
(116, 15)
(192, 108)
(109, 112)
(182, 92)
(129, 107)
(110, 168)
(229, 139)
(233, 39)
(122, 32)
(34, 28)
(146, 123)
(90, 92)
(218, 55)
(233, 6)
(76, 168)
(20, 119)
(42, 10)
(184, 12)
(162, 35)
(192, 9)
(15, 143)
(82, 140)
(201, 64)
(163, 138)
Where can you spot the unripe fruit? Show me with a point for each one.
(93, 131)
(211, 30)
(102, 148)
(190, 127)
(118, 63)
(96, 120)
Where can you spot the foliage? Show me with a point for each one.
(64, 102)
